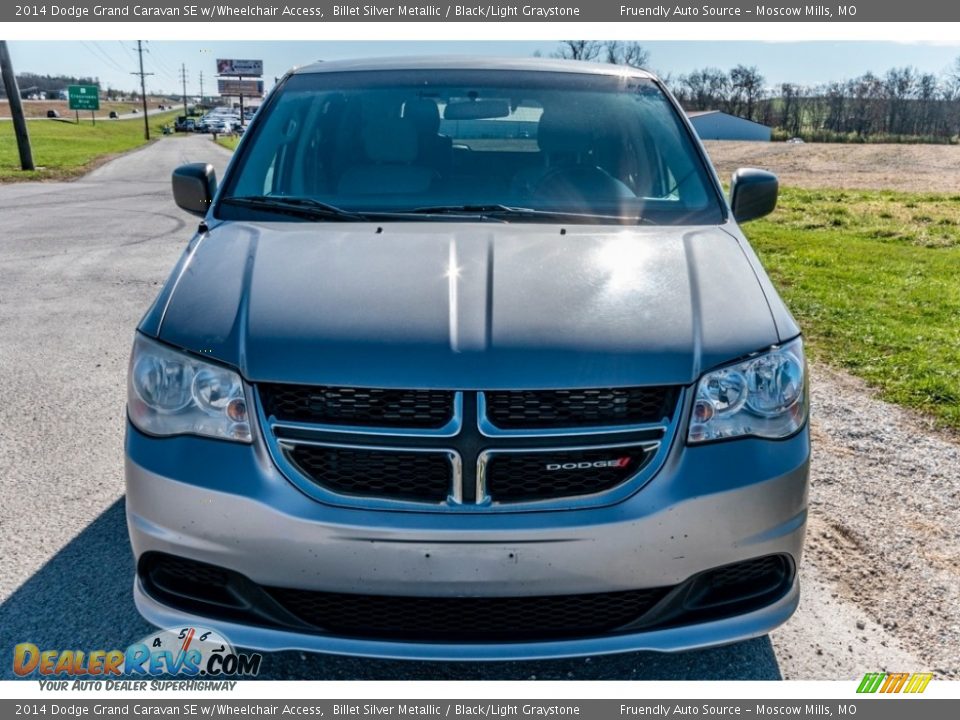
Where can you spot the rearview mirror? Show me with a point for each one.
(194, 186)
(476, 110)
(753, 194)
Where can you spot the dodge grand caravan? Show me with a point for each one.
(468, 359)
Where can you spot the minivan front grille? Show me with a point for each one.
(542, 409)
(438, 450)
(387, 473)
(531, 476)
(358, 406)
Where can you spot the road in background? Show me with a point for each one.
(80, 263)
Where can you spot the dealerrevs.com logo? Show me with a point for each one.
(191, 652)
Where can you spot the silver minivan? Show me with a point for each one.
(469, 359)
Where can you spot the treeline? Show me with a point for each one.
(46, 86)
(902, 105)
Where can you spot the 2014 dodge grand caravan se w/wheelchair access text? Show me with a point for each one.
(469, 359)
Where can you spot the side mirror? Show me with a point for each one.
(194, 186)
(753, 194)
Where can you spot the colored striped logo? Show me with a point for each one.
(894, 682)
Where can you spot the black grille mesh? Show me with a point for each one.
(420, 476)
(192, 572)
(759, 572)
(358, 406)
(467, 619)
(515, 477)
(575, 408)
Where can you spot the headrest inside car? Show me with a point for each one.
(390, 140)
(563, 131)
(424, 114)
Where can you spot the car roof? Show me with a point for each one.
(471, 62)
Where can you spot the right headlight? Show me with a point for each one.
(170, 392)
(765, 396)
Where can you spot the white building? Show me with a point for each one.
(716, 125)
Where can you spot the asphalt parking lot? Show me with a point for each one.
(80, 262)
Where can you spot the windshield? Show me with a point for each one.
(512, 145)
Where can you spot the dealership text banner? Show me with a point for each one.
(385, 10)
(874, 709)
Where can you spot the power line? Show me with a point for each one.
(160, 63)
(126, 50)
(100, 55)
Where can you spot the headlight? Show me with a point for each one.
(765, 396)
(172, 393)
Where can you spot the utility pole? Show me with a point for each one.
(143, 90)
(16, 108)
(201, 87)
(183, 78)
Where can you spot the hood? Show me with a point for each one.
(467, 305)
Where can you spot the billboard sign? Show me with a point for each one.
(253, 68)
(247, 88)
(83, 97)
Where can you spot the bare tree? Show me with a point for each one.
(579, 50)
(746, 85)
(900, 85)
(632, 54)
(615, 52)
(707, 88)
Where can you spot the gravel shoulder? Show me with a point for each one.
(884, 528)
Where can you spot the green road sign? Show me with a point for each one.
(84, 97)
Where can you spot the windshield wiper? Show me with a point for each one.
(299, 206)
(502, 212)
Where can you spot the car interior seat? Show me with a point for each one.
(435, 150)
(570, 174)
(391, 165)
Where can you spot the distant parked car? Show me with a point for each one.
(134, 110)
(113, 115)
(795, 141)
(52, 113)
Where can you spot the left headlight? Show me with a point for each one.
(765, 396)
(172, 393)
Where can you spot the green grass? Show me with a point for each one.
(874, 279)
(64, 149)
(230, 142)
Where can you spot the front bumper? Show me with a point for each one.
(226, 504)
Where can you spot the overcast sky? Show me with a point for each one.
(804, 62)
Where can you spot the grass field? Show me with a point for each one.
(874, 279)
(230, 142)
(64, 149)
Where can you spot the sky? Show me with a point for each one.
(807, 63)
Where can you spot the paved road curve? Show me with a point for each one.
(79, 264)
